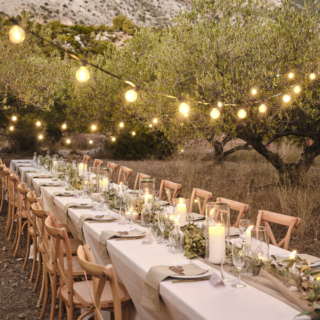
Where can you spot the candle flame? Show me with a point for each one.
(250, 228)
(180, 200)
(294, 252)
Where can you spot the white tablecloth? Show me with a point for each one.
(183, 301)
(14, 162)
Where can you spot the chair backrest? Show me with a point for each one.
(169, 187)
(40, 216)
(125, 172)
(97, 163)
(6, 173)
(31, 199)
(113, 167)
(291, 222)
(100, 275)
(86, 159)
(138, 177)
(242, 208)
(22, 195)
(198, 195)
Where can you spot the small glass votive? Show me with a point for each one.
(292, 277)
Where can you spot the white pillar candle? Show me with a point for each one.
(120, 188)
(105, 183)
(81, 169)
(182, 212)
(292, 255)
(216, 243)
(248, 236)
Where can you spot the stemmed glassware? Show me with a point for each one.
(156, 196)
(162, 217)
(238, 258)
(67, 177)
(85, 183)
(131, 202)
(243, 226)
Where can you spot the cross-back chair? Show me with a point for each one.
(6, 175)
(3, 189)
(113, 167)
(198, 195)
(124, 174)
(291, 222)
(138, 177)
(97, 163)
(12, 201)
(105, 291)
(168, 187)
(242, 208)
(86, 159)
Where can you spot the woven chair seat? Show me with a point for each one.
(74, 244)
(77, 270)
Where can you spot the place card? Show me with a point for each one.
(215, 281)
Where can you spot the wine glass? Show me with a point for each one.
(162, 217)
(238, 258)
(243, 226)
(67, 177)
(156, 195)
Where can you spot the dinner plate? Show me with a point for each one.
(104, 218)
(164, 203)
(312, 265)
(201, 265)
(130, 236)
(196, 216)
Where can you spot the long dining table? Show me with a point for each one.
(133, 259)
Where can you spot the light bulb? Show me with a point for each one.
(93, 127)
(297, 89)
(254, 91)
(83, 74)
(219, 104)
(182, 150)
(11, 128)
(262, 108)
(242, 114)
(91, 142)
(155, 120)
(14, 118)
(133, 133)
(64, 126)
(215, 113)
(17, 34)
(286, 98)
(40, 137)
(113, 139)
(121, 125)
(68, 141)
(312, 76)
(150, 125)
(38, 123)
(291, 75)
(131, 95)
(184, 108)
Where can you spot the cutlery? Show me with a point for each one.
(189, 280)
(128, 239)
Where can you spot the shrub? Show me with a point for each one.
(128, 26)
(118, 21)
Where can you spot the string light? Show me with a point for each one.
(242, 114)
(215, 113)
(219, 104)
(297, 89)
(291, 75)
(38, 123)
(14, 118)
(93, 127)
(254, 91)
(155, 120)
(11, 128)
(113, 139)
(40, 137)
(83, 74)
(121, 125)
(262, 108)
(131, 95)
(133, 133)
(182, 150)
(64, 126)
(184, 108)
(150, 125)
(68, 141)
(91, 142)
(286, 98)
(17, 34)
(312, 76)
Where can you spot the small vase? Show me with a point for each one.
(176, 241)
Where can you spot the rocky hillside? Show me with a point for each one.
(158, 13)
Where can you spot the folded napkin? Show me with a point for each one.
(25, 173)
(45, 184)
(22, 165)
(108, 234)
(59, 193)
(150, 294)
(307, 257)
(234, 231)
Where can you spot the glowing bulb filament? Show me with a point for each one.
(286, 98)
(155, 120)
(262, 108)
(38, 123)
(14, 118)
(17, 34)
(291, 75)
(297, 89)
(242, 114)
(83, 74)
(312, 76)
(93, 127)
(254, 91)
(184, 108)
(133, 133)
(131, 95)
(121, 125)
(215, 113)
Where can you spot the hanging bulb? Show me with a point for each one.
(38, 123)
(17, 34)
(11, 128)
(40, 137)
(150, 125)
(262, 108)
(68, 141)
(133, 133)
(184, 108)
(286, 98)
(242, 114)
(83, 74)
(182, 150)
(131, 95)
(121, 125)
(14, 118)
(312, 76)
(291, 75)
(91, 142)
(215, 113)
(93, 127)
(254, 91)
(155, 120)
(297, 89)
(113, 139)
(64, 126)
(219, 104)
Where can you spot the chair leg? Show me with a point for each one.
(46, 293)
(61, 308)
(69, 312)
(34, 262)
(8, 218)
(12, 221)
(53, 281)
(17, 232)
(126, 311)
(43, 284)
(28, 252)
(2, 197)
(39, 271)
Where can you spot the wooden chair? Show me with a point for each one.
(104, 282)
(3, 188)
(97, 163)
(12, 201)
(169, 187)
(86, 159)
(32, 234)
(242, 208)
(291, 222)
(125, 172)
(53, 229)
(138, 177)
(113, 167)
(200, 194)
(6, 175)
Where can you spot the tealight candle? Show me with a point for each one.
(135, 215)
(292, 255)
(216, 243)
